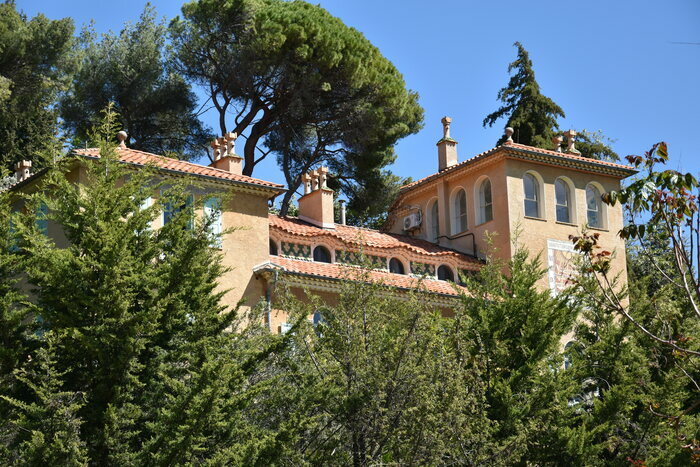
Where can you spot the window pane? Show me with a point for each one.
(486, 188)
(592, 197)
(531, 208)
(561, 189)
(530, 187)
(434, 221)
(563, 214)
(488, 213)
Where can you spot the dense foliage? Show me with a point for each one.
(156, 106)
(36, 64)
(302, 86)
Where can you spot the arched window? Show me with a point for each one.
(322, 255)
(444, 273)
(562, 193)
(396, 266)
(594, 207)
(273, 247)
(532, 195)
(434, 222)
(485, 205)
(459, 212)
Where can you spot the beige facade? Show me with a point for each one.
(437, 228)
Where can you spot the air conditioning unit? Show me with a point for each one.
(412, 221)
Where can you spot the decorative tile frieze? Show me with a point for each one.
(296, 250)
(422, 269)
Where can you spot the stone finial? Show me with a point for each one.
(121, 137)
(306, 181)
(322, 177)
(446, 121)
(23, 170)
(509, 134)
(557, 140)
(570, 141)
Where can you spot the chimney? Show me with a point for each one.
(224, 154)
(447, 147)
(22, 170)
(316, 206)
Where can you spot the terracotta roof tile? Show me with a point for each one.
(343, 272)
(367, 237)
(133, 156)
(520, 147)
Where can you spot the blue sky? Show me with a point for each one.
(616, 66)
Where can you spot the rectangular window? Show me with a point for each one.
(170, 211)
(213, 216)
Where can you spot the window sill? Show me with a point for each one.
(541, 219)
(484, 223)
(570, 224)
(600, 229)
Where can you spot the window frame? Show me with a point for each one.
(537, 193)
(460, 216)
(600, 207)
(330, 255)
(570, 203)
(445, 267)
(434, 216)
(484, 208)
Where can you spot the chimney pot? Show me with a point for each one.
(570, 141)
(23, 170)
(121, 137)
(557, 140)
(342, 211)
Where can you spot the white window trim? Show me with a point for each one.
(455, 218)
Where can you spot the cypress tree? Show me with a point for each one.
(132, 321)
(531, 114)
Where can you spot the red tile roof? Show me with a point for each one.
(625, 169)
(367, 237)
(132, 156)
(343, 272)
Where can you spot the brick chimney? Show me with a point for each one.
(224, 155)
(447, 147)
(316, 206)
(23, 170)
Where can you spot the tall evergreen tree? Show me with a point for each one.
(36, 64)
(156, 106)
(515, 328)
(531, 114)
(534, 116)
(132, 322)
